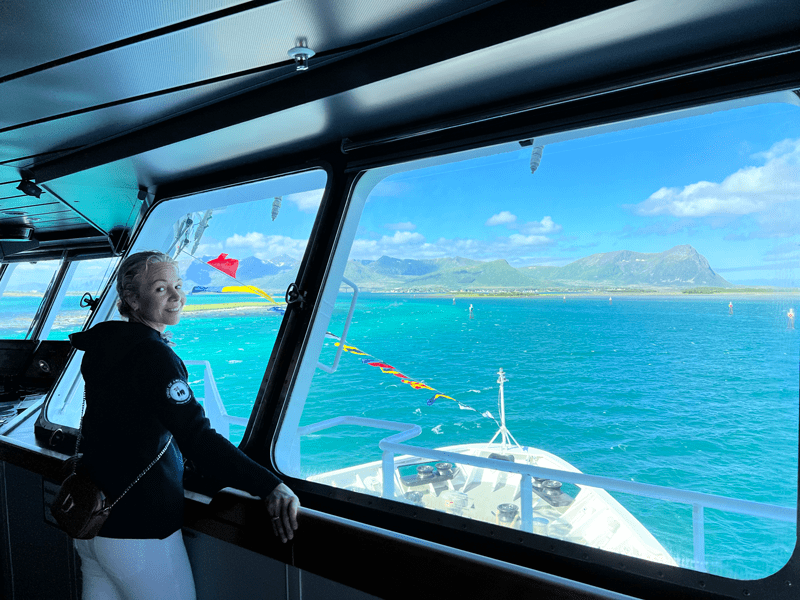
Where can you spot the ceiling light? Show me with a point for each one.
(15, 234)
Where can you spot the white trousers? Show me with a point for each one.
(135, 569)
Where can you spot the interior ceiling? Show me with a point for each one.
(104, 100)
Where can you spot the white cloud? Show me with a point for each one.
(407, 226)
(546, 225)
(501, 218)
(264, 246)
(251, 240)
(401, 243)
(414, 246)
(532, 228)
(749, 190)
(528, 240)
(401, 238)
(306, 201)
(212, 248)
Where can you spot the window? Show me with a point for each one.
(629, 292)
(89, 276)
(238, 249)
(25, 287)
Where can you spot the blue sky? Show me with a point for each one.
(727, 183)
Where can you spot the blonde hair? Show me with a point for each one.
(129, 280)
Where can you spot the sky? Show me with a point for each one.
(726, 183)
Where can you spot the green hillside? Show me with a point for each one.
(678, 268)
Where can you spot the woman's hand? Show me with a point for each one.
(282, 505)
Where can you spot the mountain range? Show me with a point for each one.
(680, 267)
(273, 276)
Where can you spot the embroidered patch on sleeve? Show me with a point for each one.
(178, 391)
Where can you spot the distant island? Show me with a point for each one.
(678, 270)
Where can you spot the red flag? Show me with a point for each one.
(225, 264)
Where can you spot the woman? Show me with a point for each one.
(138, 402)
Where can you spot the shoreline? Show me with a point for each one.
(230, 306)
(549, 294)
(595, 294)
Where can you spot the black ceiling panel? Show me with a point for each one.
(101, 99)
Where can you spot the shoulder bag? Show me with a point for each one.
(80, 507)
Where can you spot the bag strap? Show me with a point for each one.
(150, 466)
(135, 481)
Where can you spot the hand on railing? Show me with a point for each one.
(282, 506)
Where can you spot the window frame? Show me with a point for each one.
(617, 572)
(61, 437)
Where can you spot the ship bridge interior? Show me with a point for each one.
(111, 109)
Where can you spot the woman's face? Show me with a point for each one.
(161, 297)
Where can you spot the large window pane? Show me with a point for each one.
(26, 287)
(638, 288)
(90, 277)
(238, 250)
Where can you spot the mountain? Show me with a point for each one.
(273, 275)
(252, 268)
(435, 275)
(681, 266)
(494, 274)
(284, 261)
(676, 268)
(394, 267)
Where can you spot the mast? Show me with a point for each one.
(506, 437)
(501, 379)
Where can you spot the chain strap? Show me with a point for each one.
(135, 481)
(80, 432)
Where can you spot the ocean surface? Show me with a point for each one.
(677, 391)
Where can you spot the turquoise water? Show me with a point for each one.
(672, 391)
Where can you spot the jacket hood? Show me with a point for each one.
(107, 343)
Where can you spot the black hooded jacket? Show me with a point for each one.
(136, 396)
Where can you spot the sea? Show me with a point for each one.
(687, 391)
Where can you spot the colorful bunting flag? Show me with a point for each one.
(390, 370)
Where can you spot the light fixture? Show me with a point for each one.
(15, 234)
(29, 188)
(301, 54)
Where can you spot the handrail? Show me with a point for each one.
(343, 338)
(16, 421)
(364, 421)
(393, 445)
(212, 402)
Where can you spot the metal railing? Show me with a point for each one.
(212, 402)
(394, 445)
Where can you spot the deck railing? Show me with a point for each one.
(394, 445)
(221, 421)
